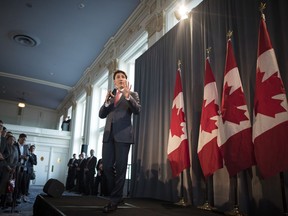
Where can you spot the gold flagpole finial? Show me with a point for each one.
(229, 34)
(208, 50)
(261, 9)
(179, 64)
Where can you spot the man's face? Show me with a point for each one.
(91, 152)
(22, 140)
(11, 140)
(1, 127)
(120, 80)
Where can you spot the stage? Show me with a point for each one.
(45, 205)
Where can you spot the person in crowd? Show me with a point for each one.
(68, 121)
(9, 133)
(72, 165)
(66, 124)
(8, 170)
(2, 138)
(4, 132)
(21, 176)
(2, 149)
(31, 162)
(79, 161)
(118, 107)
(90, 171)
(100, 180)
(81, 173)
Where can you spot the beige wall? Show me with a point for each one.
(29, 116)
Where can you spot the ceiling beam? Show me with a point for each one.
(56, 85)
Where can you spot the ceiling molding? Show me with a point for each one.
(56, 85)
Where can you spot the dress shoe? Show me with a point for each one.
(25, 199)
(109, 208)
(121, 202)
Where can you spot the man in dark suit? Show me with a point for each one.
(2, 138)
(90, 171)
(70, 180)
(82, 176)
(119, 105)
(31, 162)
(21, 176)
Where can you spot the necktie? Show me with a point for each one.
(117, 97)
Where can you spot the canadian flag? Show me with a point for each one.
(208, 151)
(235, 131)
(178, 149)
(270, 126)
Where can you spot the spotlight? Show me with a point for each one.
(181, 13)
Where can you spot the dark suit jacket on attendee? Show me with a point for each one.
(2, 144)
(23, 162)
(32, 160)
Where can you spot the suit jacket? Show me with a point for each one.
(71, 164)
(119, 117)
(91, 164)
(32, 160)
(25, 153)
(2, 144)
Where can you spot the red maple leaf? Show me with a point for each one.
(176, 120)
(209, 111)
(230, 110)
(265, 90)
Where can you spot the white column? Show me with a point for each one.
(88, 110)
(73, 148)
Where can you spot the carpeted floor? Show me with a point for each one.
(24, 208)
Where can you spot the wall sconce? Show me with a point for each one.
(22, 105)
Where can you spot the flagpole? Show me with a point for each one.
(285, 212)
(181, 201)
(235, 211)
(207, 206)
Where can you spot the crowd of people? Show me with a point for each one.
(85, 175)
(17, 161)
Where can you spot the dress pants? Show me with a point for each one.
(115, 158)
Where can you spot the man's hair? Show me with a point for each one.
(22, 135)
(8, 136)
(119, 71)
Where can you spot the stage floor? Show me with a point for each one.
(90, 205)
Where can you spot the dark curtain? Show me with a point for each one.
(155, 73)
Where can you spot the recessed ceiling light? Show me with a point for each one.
(81, 5)
(29, 5)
